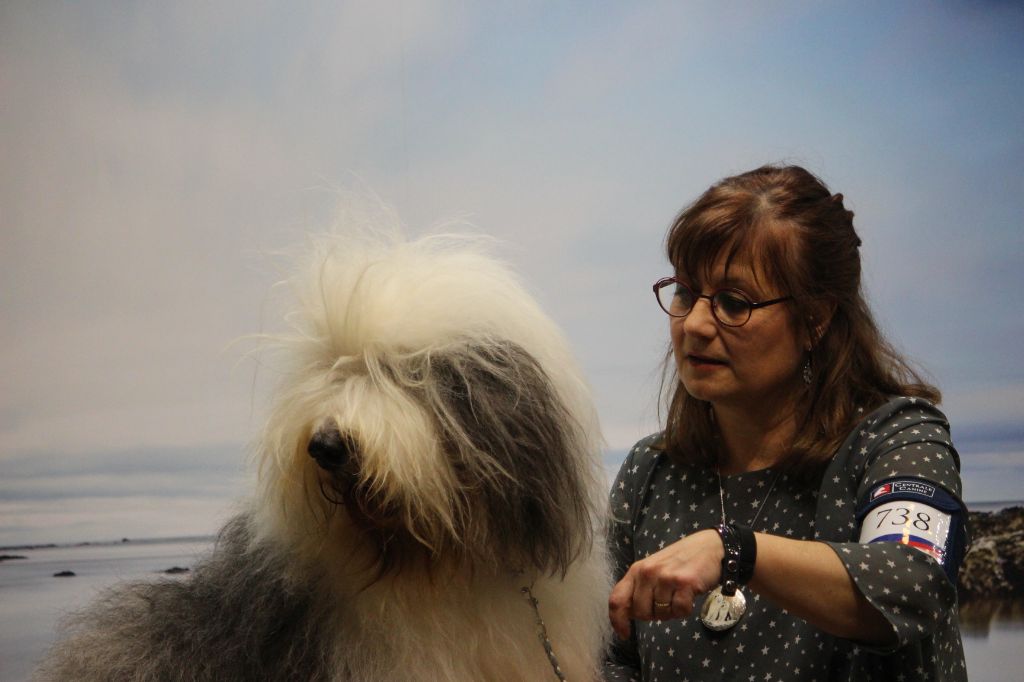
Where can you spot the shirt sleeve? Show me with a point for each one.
(622, 664)
(909, 587)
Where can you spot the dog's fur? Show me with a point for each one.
(430, 451)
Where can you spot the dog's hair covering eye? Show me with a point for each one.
(430, 452)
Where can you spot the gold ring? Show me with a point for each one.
(662, 604)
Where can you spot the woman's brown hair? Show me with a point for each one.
(799, 236)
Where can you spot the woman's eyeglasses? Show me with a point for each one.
(730, 307)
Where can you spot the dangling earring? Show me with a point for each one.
(807, 375)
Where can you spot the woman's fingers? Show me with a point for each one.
(644, 583)
(664, 585)
(682, 603)
(637, 599)
(620, 606)
(646, 593)
(662, 606)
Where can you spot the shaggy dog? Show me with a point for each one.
(428, 498)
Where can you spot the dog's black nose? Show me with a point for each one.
(330, 449)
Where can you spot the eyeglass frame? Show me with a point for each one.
(665, 281)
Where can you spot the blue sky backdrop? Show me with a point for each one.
(153, 153)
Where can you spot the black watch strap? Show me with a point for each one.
(740, 555)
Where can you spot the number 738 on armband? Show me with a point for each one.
(915, 513)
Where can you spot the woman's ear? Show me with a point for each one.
(817, 324)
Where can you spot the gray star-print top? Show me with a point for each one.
(656, 501)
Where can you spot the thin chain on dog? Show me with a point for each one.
(542, 632)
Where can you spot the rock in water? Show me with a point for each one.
(994, 564)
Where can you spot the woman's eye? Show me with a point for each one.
(684, 296)
(732, 303)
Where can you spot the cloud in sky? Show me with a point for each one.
(154, 152)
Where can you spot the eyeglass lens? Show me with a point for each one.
(729, 307)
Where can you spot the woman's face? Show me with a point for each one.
(749, 367)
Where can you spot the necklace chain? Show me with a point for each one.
(722, 611)
(721, 497)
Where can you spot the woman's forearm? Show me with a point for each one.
(807, 579)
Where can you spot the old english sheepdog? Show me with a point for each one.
(429, 498)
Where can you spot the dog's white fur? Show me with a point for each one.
(471, 470)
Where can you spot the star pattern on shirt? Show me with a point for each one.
(911, 440)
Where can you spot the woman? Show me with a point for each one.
(799, 518)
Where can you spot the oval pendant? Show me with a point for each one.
(721, 612)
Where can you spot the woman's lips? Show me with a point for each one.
(704, 361)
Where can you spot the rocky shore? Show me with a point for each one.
(994, 565)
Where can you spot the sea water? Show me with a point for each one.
(32, 601)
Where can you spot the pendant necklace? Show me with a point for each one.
(722, 611)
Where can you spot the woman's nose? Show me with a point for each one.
(701, 320)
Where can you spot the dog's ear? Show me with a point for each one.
(512, 444)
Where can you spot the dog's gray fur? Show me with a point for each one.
(235, 618)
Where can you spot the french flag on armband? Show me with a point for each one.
(923, 544)
(882, 490)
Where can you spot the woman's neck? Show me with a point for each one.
(753, 439)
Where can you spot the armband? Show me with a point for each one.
(917, 513)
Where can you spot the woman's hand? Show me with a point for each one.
(664, 585)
